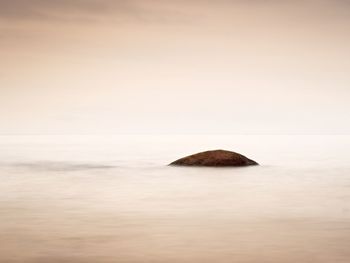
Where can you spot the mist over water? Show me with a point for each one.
(114, 199)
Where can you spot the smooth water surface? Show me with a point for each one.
(114, 199)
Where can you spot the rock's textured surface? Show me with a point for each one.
(216, 158)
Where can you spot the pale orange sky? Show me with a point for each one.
(161, 66)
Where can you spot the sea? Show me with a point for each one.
(114, 199)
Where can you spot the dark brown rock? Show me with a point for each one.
(216, 158)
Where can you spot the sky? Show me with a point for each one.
(174, 66)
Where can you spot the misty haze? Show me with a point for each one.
(97, 97)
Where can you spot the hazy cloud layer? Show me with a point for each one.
(38, 9)
(137, 9)
(186, 66)
(156, 11)
(34, 10)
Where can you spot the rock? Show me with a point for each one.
(216, 158)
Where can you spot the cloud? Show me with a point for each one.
(61, 9)
(142, 10)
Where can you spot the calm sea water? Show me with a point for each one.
(113, 199)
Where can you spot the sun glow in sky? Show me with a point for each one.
(174, 66)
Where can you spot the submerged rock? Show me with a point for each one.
(215, 158)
